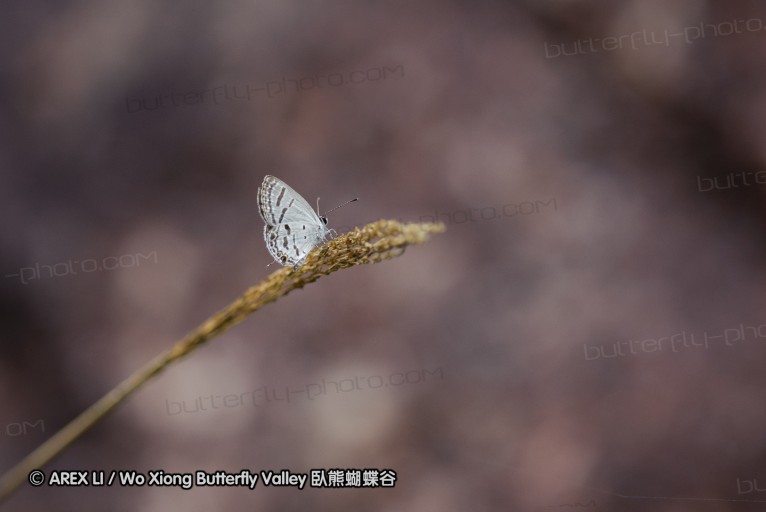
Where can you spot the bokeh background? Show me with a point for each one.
(589, 333)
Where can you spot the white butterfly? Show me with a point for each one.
(292, 227)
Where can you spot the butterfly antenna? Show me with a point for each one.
(339, 206)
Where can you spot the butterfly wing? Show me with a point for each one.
(292, 228)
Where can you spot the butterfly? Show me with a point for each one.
(292, 228)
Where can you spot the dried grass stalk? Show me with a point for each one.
(375, 242)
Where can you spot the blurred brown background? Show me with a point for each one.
(588, 334)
